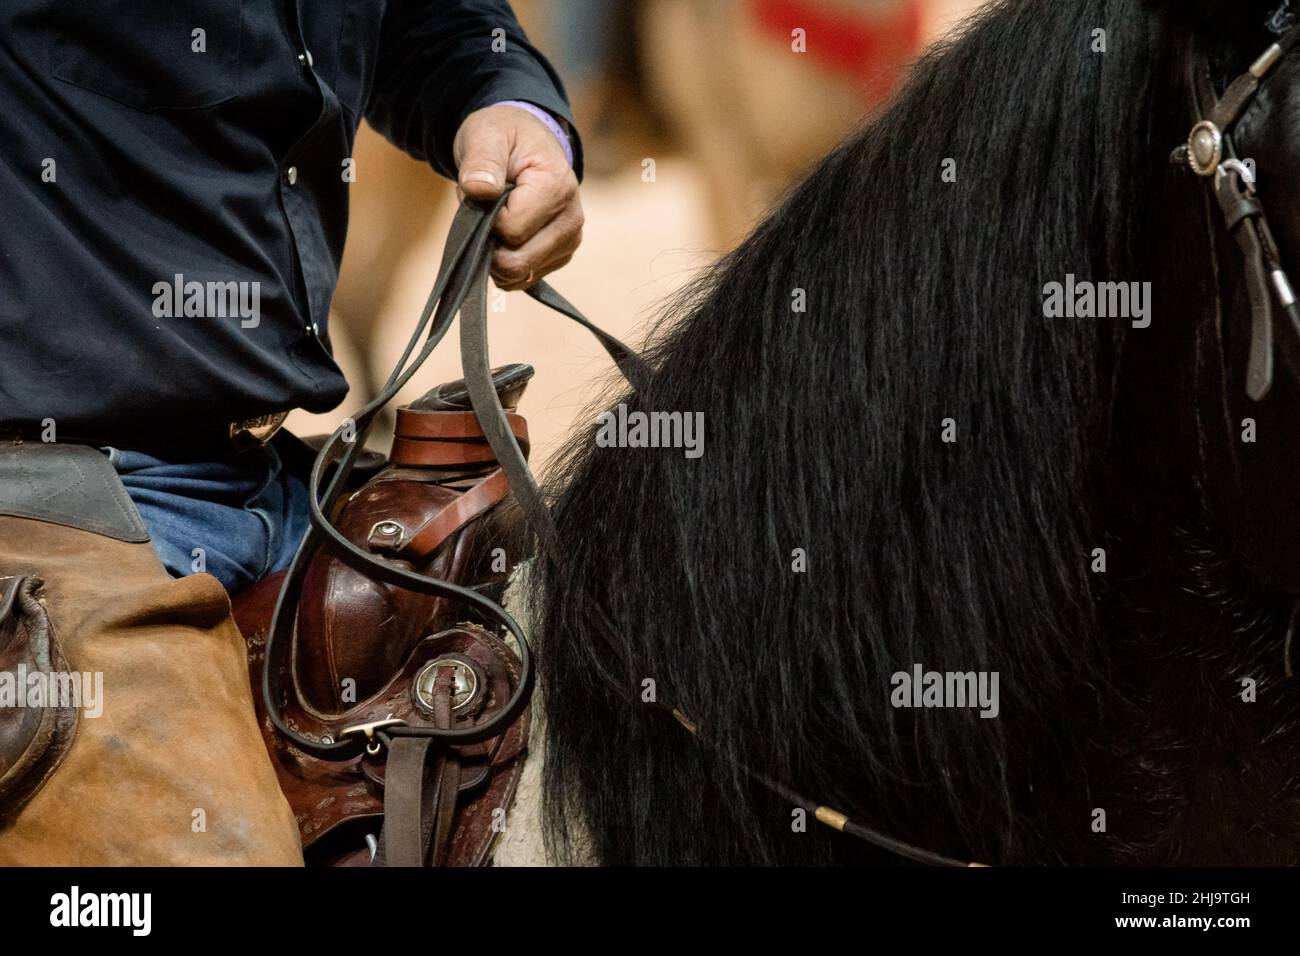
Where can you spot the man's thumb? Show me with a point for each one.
(482, 177)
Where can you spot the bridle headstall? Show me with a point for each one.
(1210, 152)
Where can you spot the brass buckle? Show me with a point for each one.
(369, 729)
(256, 432)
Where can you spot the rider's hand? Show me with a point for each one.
(541, 225)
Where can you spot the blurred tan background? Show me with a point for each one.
(694, 114)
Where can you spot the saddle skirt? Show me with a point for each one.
(367, 655)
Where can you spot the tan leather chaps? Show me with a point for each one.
(173, 771)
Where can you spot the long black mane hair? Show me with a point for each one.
(830, 537)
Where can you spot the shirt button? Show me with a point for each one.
(291, 175)
(304, 58)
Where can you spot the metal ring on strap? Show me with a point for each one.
(1235, 166)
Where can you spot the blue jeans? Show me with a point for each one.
(239, 520)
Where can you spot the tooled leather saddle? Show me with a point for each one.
(394, 686)
(367, 654)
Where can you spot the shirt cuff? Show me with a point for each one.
(551, 123)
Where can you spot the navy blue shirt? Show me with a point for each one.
(201, 147)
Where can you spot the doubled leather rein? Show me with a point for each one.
(469, 243)
(461, 287)
(1211, 154)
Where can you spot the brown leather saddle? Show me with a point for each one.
(368, 655)
(394, 686)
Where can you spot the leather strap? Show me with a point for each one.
(433, 439)
(1234, 101)
(1243, 213)
(448, 773)
(1225, 110)
(420, 793)
(477, 367)
(414, 423)
(439, 454)
(408, 775)
(427, 538)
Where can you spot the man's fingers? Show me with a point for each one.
(539, 198)
(516, 278)
(549, 249)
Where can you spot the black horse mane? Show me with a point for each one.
(823, 434)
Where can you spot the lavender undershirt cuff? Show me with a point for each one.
(551, 123)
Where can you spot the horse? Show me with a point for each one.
(918, 463)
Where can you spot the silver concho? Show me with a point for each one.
(463, 688)
(1205, 148)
